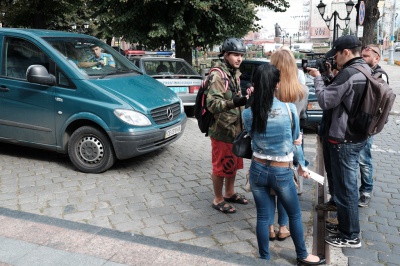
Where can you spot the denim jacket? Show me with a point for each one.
(278, 138)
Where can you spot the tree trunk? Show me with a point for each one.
(184, 51)
(108, 40)
(371, 17)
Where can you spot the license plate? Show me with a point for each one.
(179, 89)
(173, 131)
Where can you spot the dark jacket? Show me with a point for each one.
(344, 93)
(378, 69)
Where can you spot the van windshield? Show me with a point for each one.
(91, 56)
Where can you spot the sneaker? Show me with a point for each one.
(364, 201)
(332, 228)
(327, 206)
(340, 242)
(331, 220)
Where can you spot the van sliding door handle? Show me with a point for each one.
(4, 88)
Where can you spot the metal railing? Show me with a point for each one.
(319, 231)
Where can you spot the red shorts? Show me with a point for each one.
(224, 162)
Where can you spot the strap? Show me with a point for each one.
(223, 74)
(290, 114)
(363, 70)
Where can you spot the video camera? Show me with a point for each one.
(318, 61)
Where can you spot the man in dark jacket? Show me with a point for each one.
(372, 55)
(341, 99)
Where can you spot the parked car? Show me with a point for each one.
(176, 74)
(95, 114)
(397, 47)
(313, 113)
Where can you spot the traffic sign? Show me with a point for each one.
(360, 31)
(361, 13)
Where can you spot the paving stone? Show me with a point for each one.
(385, 229)
(239, 247)
(389, 257)
(181, 236)
(206, 242)
(172, 228)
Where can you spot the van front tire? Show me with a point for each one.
(90, 150)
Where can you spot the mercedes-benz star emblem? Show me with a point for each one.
(170, 113)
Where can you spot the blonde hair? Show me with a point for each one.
(291, 89)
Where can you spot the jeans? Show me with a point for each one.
(262, 179)
(366, 169)
(282, 215)
(345, 161)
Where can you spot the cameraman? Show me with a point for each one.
(345, 143)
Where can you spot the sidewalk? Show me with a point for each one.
(30, 238)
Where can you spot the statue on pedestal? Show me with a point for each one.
(277, 30)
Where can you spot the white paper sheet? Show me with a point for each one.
(319, 178)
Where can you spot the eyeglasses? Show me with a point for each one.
(367, 48)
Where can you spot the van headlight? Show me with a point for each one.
(132, 117)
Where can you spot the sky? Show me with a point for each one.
(289, 20)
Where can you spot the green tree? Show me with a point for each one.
(41, 14)
(190, 23)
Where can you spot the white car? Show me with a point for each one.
(176, 74)
(397, 47)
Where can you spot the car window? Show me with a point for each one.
(247, 71)
(168, 67)
(91, 56)
(18, 55)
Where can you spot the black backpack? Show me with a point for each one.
(378, 100)
(204, 117)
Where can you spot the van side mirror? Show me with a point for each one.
(38, 74)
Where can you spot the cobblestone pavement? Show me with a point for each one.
(167, 195)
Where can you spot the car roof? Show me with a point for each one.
(156, 58)
(258, 61)
(44, 33)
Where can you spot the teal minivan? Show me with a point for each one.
(72, 93)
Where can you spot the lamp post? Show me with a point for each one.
(335, 15)
(290, 43)
(391, 47)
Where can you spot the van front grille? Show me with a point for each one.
(166, 114)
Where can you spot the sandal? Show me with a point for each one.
(237, 198)
(222, 208)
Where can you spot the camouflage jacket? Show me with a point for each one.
(227, 118)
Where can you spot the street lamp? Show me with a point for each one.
(3, 13)
(74, 27)
(335, 15)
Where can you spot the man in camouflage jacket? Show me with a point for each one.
(227, 107)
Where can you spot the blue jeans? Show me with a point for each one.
(262, 179)
(282, 215)
(366, 169)
(345, 161)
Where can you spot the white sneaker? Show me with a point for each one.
(340, 242)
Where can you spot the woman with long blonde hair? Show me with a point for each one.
(291, 91)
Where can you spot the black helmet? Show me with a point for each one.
(234, 45)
